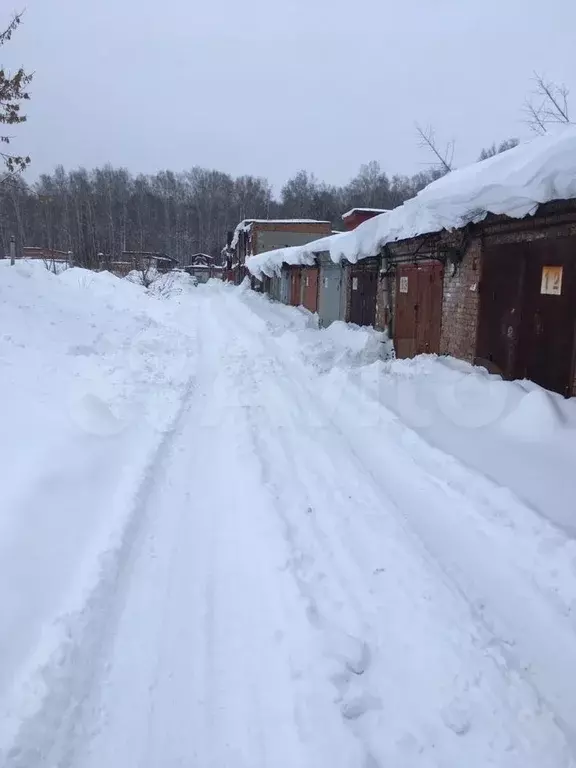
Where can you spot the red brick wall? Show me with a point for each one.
(460, 305)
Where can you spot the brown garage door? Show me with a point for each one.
(501, 290)
(549, 314)
(363, 285)
(418, 321)
(528, 311)
(295, 286)
(310, 288)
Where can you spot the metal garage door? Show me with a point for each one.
(295, 286)
(331, 294)
(363, 286)
(528, 311)
(310, 288)
(418, 320)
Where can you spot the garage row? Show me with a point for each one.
(501, 293)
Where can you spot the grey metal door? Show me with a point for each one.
(330, 294)
(274, 290)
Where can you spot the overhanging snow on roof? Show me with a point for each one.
(514, 183)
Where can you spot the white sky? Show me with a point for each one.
(266, 88)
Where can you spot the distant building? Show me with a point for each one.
(254, 236)
(200, 258)
(202, 267)
(356, 216)
(44, 254)
(147, 260)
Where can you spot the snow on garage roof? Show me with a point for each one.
(514, 183)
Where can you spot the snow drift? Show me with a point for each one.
(90, 382)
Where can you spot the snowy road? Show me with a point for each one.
(301, 581)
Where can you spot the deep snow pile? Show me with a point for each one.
(171, 284)
(89, 383)
(340, 345)
(514, 183)
(517, 434)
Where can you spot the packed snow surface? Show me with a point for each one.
(513, 183)
(230, 539)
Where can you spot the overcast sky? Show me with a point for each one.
(261, 87)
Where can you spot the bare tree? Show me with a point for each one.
(443, 159)
(101, 213)
(146, 271)
(547, 105)
(12, 92)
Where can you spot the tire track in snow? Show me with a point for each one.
(293, 372)
(236, 680)
(309, 707)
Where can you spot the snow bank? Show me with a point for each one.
(538, 415)
(172, 284)
(89, 384)
(104, 285)
(339, 346)
(513, 183)
(432, 389)
(513, 432)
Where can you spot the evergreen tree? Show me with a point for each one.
(12, 93)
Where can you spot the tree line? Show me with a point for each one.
(98, 214)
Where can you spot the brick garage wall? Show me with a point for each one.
(385, 300)
(460, 305)
(461, 300)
